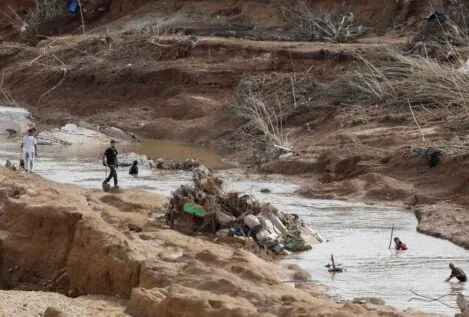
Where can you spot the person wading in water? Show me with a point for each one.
(134, 168)
(29, 146)
(110, 159)
(399, 244)
(457, 273)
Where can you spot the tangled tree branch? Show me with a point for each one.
(320, 26)
(431, 299)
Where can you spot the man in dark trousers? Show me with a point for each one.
(457, 273)
(110, 159)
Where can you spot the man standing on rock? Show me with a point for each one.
(110, 159)
(29, 146)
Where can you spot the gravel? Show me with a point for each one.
(34, 304)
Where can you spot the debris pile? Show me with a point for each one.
(206, 208)
(127, 159)
(187, 165)
(431, 155)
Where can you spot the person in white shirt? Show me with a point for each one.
(29, 147)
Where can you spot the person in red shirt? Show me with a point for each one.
(399, 244)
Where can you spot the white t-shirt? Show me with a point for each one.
(29, 142)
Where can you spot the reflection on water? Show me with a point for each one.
(180, 152)
(358, 237)
(150, 148)
(358, 234)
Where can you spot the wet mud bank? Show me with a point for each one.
(357, 234)
(86, 247)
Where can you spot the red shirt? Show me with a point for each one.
(401, 246)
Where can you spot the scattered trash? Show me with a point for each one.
(333, 268)
(206, 208)
(10, 166)
(287, 155)
(431, 155)
(436, 17)
(11, 132)
(465, 68)
(187, 165)
(194, 209)
(72, 6)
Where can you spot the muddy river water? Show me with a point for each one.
(358, 234)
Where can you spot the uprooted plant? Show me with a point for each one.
(268, 118)
(320, 26)
(268, 103)
(44, 11)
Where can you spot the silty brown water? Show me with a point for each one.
(358, 234)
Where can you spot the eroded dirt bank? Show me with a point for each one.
(62, 238)
(151, 77)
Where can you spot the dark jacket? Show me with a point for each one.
(133, 170)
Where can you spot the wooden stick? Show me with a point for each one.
(332, 259)
(82, 19)
(390, 240)
(283, 148)
(415, 120)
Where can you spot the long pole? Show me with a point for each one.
(390, 240)
(81, 15)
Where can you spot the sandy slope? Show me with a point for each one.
(62, 238)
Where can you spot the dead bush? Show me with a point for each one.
(321, 26)
(44, 11)
(268, 103)
(266, 116)
(415, 79)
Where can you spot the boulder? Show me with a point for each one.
(54, 312)
(82, 133)
(89, 126)
(144, 302)
(71, 134)
(372, 300)
(117, 134)
(127, 159)
(202, 303)
(14, 119)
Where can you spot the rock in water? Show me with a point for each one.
(86, 125)
(15, 119)
(127, 159)
(462, 303)
(117, 133)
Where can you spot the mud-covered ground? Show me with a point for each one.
(171, 70)
(153, 77)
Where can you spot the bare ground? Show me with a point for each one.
(160, 82)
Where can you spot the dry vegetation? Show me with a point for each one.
(45, 10)
(322, 26)
(267, 103)
(417, 80)
(266, 116)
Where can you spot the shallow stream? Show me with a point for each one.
(358, 234)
